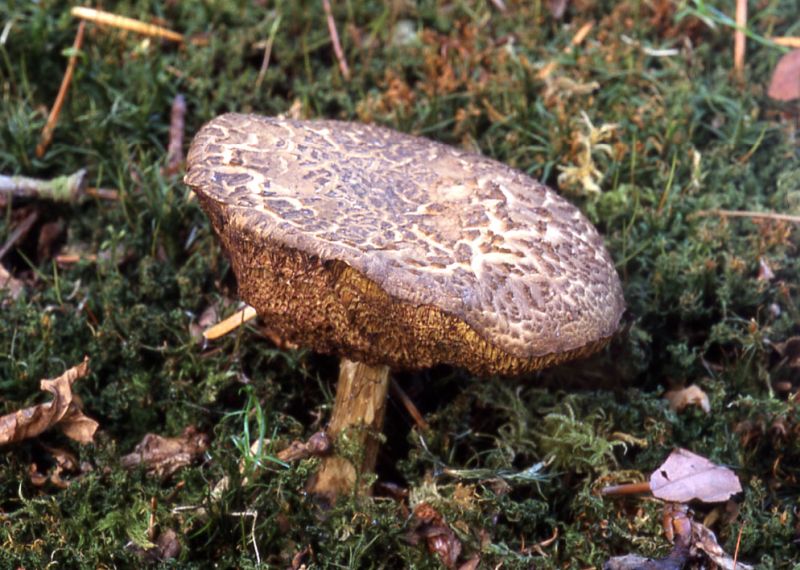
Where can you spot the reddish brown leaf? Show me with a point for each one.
(440, 538)
(685, 476)
(64, 410)
(785, 83)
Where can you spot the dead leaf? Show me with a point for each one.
(317, 445)
(10, 286)
(440, 538)
(785, 82)
(208, 317)
(163, 456)
(64, 410)
(704, 540)
(166, 547)
(765, 272)
(690, 396)
(790, 350)
(685, 476)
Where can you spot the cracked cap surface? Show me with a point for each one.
(390, 248)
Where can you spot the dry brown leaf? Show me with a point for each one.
(64, 411)
(557, 8)
(685, 476)
(790, 350)
(785, 83)
(440, 538)
(166, 547)
(690, 396)
(10, 286)
(163, 456)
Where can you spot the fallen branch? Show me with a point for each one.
(67, 188)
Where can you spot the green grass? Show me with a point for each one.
(688, 137)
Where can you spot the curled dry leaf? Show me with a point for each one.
(63, 411)
(685, 476)
(318, 445)
(440, 538)
(704, 540)
(690, 396)
(163, 456)
(790, 350)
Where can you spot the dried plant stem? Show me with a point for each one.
(749, 214)
(337, 46)
(123, 23)
(739, 38)
(176, 131)
(626, 489)
(400, 394)
(788, 41)
(231, 323)
(52, 119)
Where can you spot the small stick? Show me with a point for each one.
(52, 119)
(19, 232)
(749, 214)
(103, 193)
(337, 47)
(626, 489)
(176, 130)
(60, 189)
(123, 23)
(738, 544)
(739, 38)
(787, 41)
(231, 323)
(413, 411)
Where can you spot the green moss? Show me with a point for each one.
(506, 463)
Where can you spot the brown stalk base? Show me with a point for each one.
(359, 410)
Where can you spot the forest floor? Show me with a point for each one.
(631, 109)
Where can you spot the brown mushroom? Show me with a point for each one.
(394, 251)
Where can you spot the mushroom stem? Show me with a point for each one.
(358, 414)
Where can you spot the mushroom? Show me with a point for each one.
(397, 252)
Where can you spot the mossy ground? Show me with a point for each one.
(688, 138)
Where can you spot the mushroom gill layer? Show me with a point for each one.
(432, 228)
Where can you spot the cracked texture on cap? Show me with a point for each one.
(390, 248)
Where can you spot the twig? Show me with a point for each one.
(19, 232)
(176, 130)
(337, 47)
(103, 193)
(61, 188)
(739, 38)
(626, 489)
(787, 41)
(123, 23)
(399, 393)
(52, 119)
(231, 323)
(749, 214)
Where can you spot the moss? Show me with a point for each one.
(687, 139)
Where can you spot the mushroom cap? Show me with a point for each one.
(389, 248)
(785, 82)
